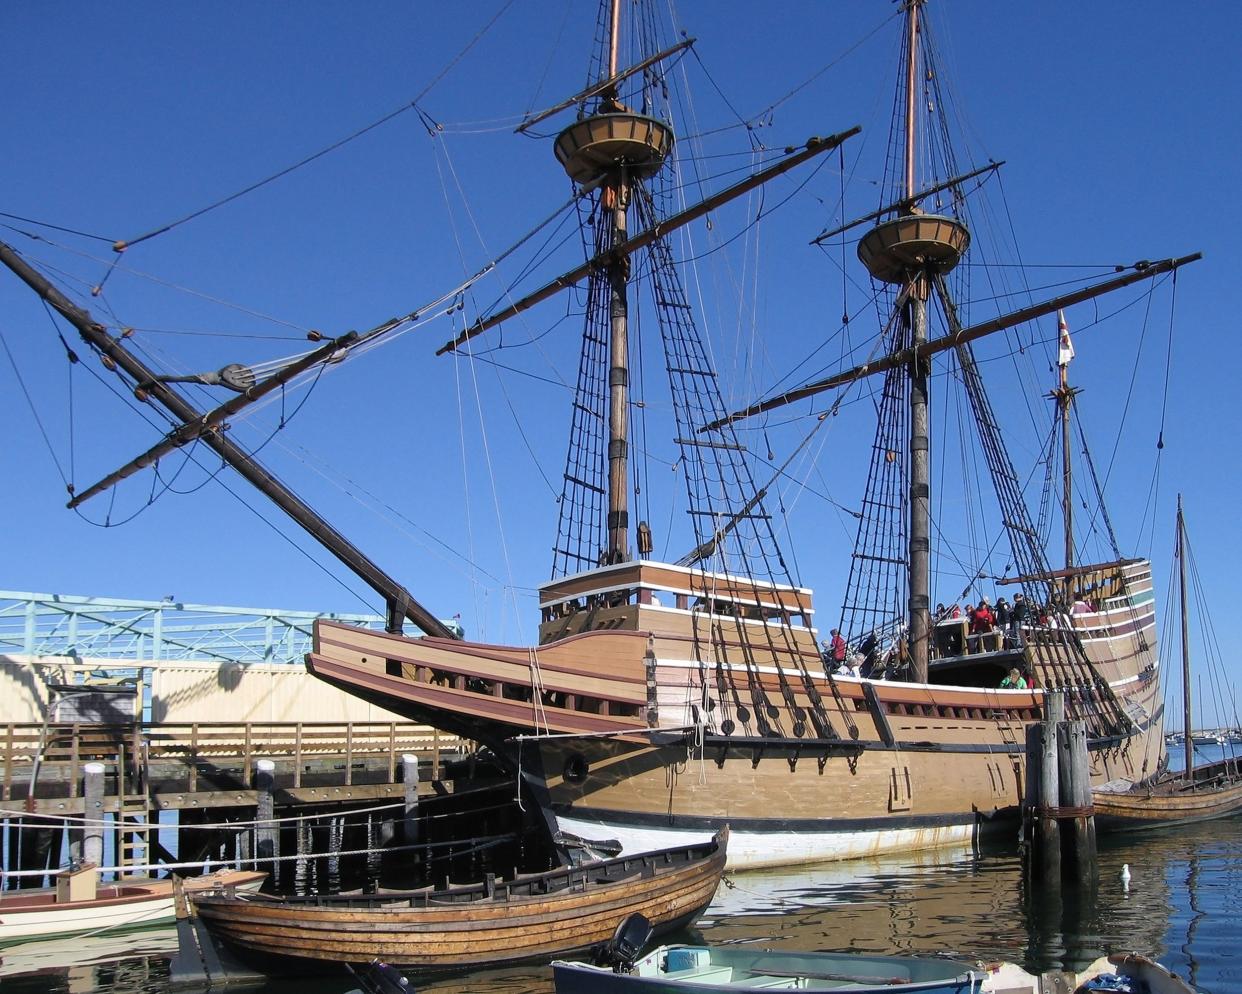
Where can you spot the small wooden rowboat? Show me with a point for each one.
(78, 905)
(1210, 791)
(536, 916)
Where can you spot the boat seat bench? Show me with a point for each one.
(721, 974)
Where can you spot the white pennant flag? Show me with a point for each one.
(1065, 351)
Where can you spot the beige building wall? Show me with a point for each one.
(184, 691)
(258, 692)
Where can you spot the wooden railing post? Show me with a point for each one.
(392, 751)
(8, 763)
(194, 757)
(349, 754)
(297, 756)
(74, 755)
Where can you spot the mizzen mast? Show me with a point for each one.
(1064, 397)
(909, 250)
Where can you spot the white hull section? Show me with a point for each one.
(68, 920)
(754, 850)
(137, 906)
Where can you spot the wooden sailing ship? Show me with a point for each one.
(490, 923)
(665, 697)
(1199, 792)
(662, 700)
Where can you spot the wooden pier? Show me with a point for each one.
(87, 779)
(211, 764)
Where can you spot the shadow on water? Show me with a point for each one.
(1178, 907)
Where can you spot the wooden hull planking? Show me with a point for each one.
(456, 934)
(1212, 791)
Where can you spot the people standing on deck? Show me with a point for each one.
(870, 650)
(1017, 617)
(1002, 614)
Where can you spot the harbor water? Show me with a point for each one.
(1180, 907)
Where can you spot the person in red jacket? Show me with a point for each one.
(981, 621)
(837, 648)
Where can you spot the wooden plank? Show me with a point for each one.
(8, 763)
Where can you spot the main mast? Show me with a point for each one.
(613, 148)
(617, 197)
(920, 464)
(908, 251)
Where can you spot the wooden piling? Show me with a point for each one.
(1041, 832)
(1058, 821)
(409, 778)
(1078, 823)
(92, 827)
(266, 844)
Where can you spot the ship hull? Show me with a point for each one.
(785, 802)
(645, 730)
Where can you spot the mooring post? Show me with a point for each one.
(1044, 836)
(265, 815)
(1078, 833)
(409, 777)
(92, 826)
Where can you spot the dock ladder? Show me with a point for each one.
(133, 816)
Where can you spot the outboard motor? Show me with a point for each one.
(380, 978)
(627, 943)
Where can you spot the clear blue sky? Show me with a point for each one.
(1116, 121)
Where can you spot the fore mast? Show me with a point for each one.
(908, 251)
(611, 149)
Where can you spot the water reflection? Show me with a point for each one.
(1185, 886)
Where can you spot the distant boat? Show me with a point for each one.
(1115, 972)
(531, 917)
(75, 905)
(1201, 793)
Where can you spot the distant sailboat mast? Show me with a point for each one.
(1181, 563)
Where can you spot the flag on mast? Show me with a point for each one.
(1065, 350)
